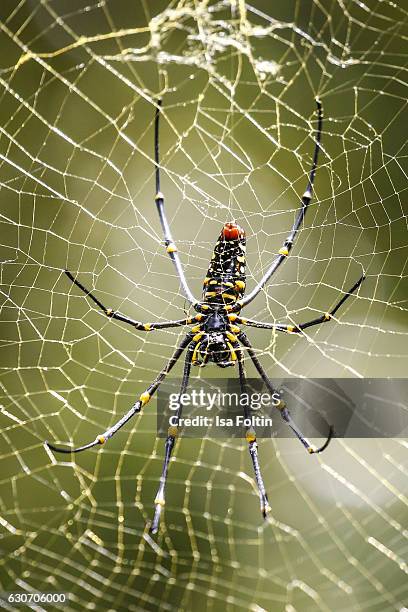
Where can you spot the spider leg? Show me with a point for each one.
(306, 199)
(329, 315)
(168, 240)
(295, 329)
(169, 445)
(137, 406)
(120, 317)
(282, 406)
(252, 443)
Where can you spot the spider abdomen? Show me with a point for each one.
(225, 279)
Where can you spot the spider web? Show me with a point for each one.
(238, 81)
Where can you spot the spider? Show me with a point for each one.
(216, 336)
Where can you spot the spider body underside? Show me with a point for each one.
(216, 336)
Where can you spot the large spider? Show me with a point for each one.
(215, 336)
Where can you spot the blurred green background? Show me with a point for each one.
(78, 82)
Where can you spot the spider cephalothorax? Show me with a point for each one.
(216, 336)
(215, 347)
(214, 341)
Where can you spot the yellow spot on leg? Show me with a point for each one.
(231, 337)
(232, 352)
(327, 316)
(284, 251)
(232, 317)
(171, 248)
(172, 431)
(144, 398)
(240, 285)
(101, 439)
(147, 327)
(250, 435)
(194, 358)
(159, 501)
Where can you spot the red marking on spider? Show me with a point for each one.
(232, 231)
